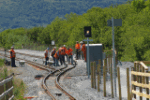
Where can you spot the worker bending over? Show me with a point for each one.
(52, 54)
(77, 46)
(56, 56)
(12, 57)
(63, 53)
(84, 51)
(46, 55)
(70, 55)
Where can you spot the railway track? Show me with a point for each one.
(41, 66)
(59, 72)
(40, 57)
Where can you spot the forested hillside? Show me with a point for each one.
(31, 13)
(132, 39)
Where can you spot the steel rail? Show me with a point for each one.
(50, 73)
(44, 82)
(27, 55)
(32, 63)
(58, 84)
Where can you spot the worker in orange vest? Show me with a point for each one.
(81, 53)
(60, 55)
(56, 55)
(12, 56)
(84, 51)
(46, 55)
(77, 46)
(52, 54)
(70, 55)
(63, 53)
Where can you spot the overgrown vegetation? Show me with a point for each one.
(19, 86)
(131, 39)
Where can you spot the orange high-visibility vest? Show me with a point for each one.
(13, 53)
(77, 46)
(69, 52)
(56, 56)
(63, 51)
(46, 53)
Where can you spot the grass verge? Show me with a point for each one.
(19, 85)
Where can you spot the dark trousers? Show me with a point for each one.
(13, 62)
(54, 61)
(77, 53)
(63, 59)
(60, 59)
(47, 58)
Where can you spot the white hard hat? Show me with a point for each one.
(54, 47)
(81, 42)
(12, 47)
(64, 45)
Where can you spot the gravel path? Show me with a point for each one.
(80, 87)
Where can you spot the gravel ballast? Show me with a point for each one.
(33, 86)
(79, 86)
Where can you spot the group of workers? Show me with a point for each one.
(62, 52)
(80, 50)
(59, 55)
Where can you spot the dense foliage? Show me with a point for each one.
(31, 13)
(131, 39)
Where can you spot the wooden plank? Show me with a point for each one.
(128, 86)
(119, 84)
(91, 74)
(146, 62)
(141, 94)
(140, 73)
(104, 78)
(143, 65)
(140, 84)
(136, 61)
(111, 78)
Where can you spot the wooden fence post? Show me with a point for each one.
(147, 82)
(2, 90)
(98, 77)
(140, 81)
(91, 74)
(94, 67)
(128, 83)
(104, 77)
(111, 78)
(119, 84)
(9, 85)
(135, 79)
